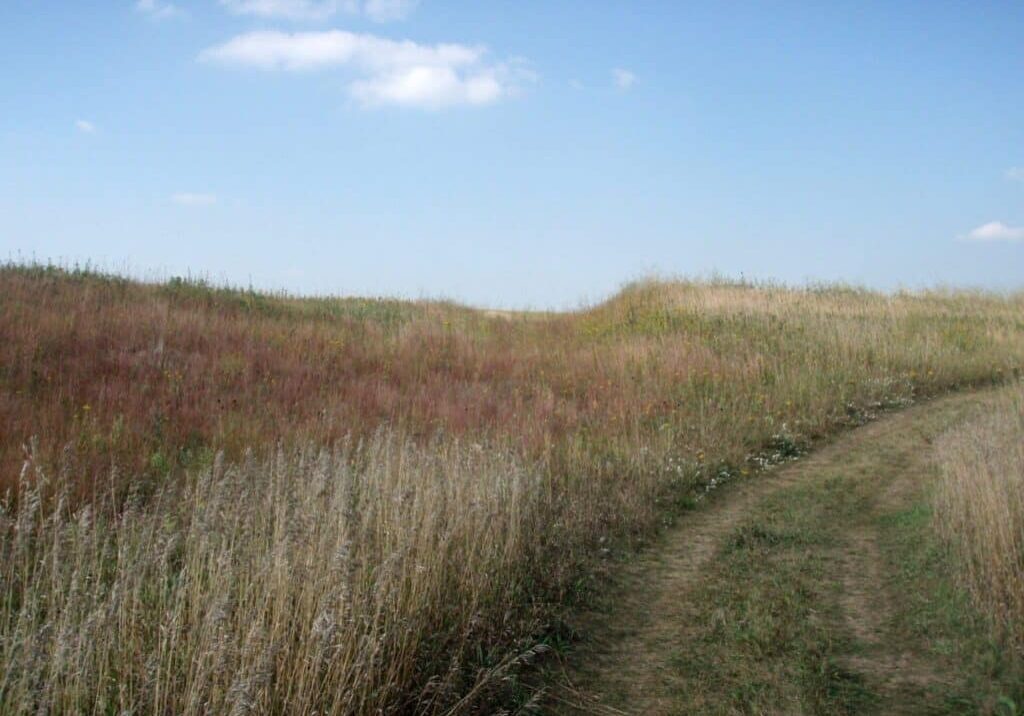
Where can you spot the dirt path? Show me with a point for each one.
(895, 671)
(630, 661)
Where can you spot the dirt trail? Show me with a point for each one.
(626, 665)
(893, 669)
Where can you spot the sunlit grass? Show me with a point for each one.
(473, 464)
(980, 510)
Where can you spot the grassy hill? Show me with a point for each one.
(228, 501)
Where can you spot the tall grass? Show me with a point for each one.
(315, 581)
(980, 510)
(407, 491)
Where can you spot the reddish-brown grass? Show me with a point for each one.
(151, 377)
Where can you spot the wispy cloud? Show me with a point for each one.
(389, 10)
(388, 72)
(319, 10)
(85, 126)
(289, 9)
(623, 79)
(194, 199)
(158, 9)
(1015, 173)
(333, 48)
(996, 231)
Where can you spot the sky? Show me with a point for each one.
(515, 153)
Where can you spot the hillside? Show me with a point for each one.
(233, 500)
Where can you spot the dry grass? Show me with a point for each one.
(473, 466)
(313, 582)
(980, 510)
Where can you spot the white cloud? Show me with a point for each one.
(623, 79)
(389, 10)
(288, 9)
(428, 87)
(194, 199)
(85, 126)
(997, 231)
(1015, 173)
(317, 50)
(158, 9)
(389, 72)
(319, 10)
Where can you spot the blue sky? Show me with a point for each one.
(515, 153)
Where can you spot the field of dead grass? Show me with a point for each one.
(980, 511)
(226, 501)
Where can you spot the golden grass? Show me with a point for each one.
(980, 510)
(312, 582)
(408, 491)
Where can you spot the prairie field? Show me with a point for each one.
(980, 510)
(224, 501)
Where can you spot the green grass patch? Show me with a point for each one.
(763, 643)
(936, 612)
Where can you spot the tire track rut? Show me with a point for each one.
(625, 665)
